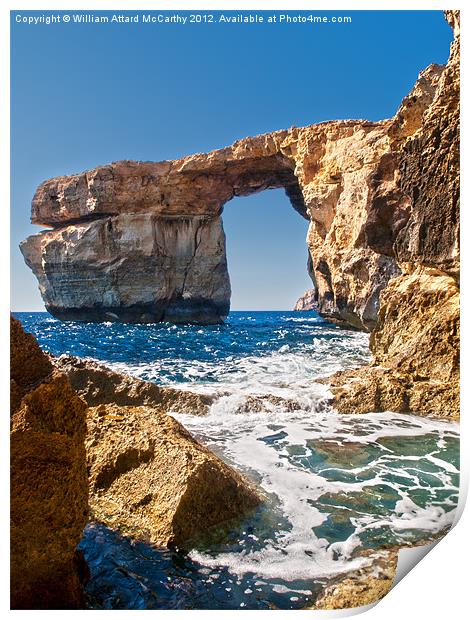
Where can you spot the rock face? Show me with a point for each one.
(151, 479)
(148, 476)
(134, 267)
(415, 343)
(49, 490)
(144, 242)
(307, 301)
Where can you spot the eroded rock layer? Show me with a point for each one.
(415, 343)
(49, 490)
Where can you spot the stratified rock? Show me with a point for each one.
(151, 479)
(416, 341)
(48, 480)
(361, 587)
(307, 301)
(97, 385)
(135, 268)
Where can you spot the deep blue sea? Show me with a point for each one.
(334, 484)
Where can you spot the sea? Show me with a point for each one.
(333, 485)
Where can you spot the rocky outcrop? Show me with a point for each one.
(361, 587)
(415, 343)
(135, 267)
(148, 476)
(307, 301)
(49, 494)
(97, 385)
(151, 479)
(143, 242)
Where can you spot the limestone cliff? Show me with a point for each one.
(415, 343)
(142, 241)
(49, 490)
(307, 301)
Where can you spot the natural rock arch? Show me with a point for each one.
(144, 241)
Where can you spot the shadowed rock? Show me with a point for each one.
(49, 493)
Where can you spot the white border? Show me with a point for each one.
(437, 588)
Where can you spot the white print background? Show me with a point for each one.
(438, 587)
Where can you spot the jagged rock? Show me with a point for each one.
(151, 479)
(97, 385)
(48, 480)
(416, 341)
(416, 351)
(361, 587)
(307, 301)
(148, 476)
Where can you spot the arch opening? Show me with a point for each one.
(267, 255)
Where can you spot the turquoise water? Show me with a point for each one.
(333, 484)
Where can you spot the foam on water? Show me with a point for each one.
(332, 484)
(278, 449)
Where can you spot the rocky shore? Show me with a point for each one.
(90, 443)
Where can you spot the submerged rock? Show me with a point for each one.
(361, 587)
(49, 491)
(308, 301)
(150, 478)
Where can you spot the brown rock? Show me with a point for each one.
(48, 480)
(151, 479)
(416, 340)
(97, 384)
(306, 302)
(362, 587)
(430, 176)
(416, 352)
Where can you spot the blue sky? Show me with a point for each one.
(88, 94)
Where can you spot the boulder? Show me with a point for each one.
(151, 479)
